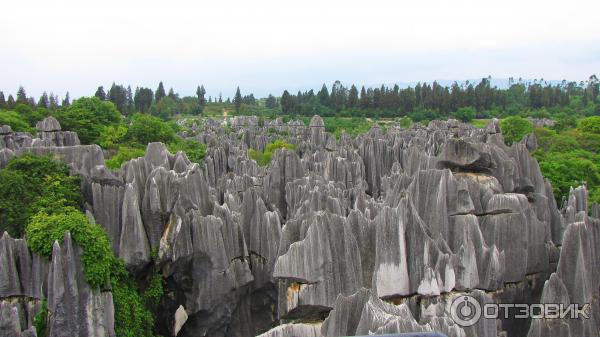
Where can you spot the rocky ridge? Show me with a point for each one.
(377, 233)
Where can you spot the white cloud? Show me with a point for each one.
(77, 45)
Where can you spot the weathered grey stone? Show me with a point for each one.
(74, 307)
(48, 124)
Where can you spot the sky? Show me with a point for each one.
(267, 46)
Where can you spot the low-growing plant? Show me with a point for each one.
(194, 150)
(264, 158)
(124, 154)
(47, 227)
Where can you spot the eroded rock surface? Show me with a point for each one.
(372, 234)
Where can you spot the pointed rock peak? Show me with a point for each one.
(49, 124)
(317, 122)
(5, 130)
(181, 162)
(493, 126)
(5, 236)
(157, 154)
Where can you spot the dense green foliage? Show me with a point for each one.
(40, 321)
(30, 183)
(124, 154)
(571, 157)
(465, 114)
(194, 150)
(42, 200)
(16, 121)
(514, 128)
(590, 125)
(50, 225)
(145, 129)
(352, 126)
(88, 117)
(264, 158)
(132, 317)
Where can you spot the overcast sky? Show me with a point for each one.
(265, 46)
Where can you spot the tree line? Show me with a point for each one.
(423, 101)
(440, 100)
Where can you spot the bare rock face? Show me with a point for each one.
(49, 124)
(75, 309)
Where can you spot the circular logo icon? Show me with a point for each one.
(465, 310)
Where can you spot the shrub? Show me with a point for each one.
(87, 117)
(97, 257)
(514, 128)
(15, 121)
(145, 129)
(194, 150)
(30, 183)
(590, 124)
(264, 158)
(569, 169)
(40, 321)
(405, 122)
(125, 154)
(465, 114)
(132, 317)
(111, 136)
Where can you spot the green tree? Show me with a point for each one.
(237, 100)
(200, 93)
(66, 102)
(160, 92)
(100, 93)
(465, 114)
(87, 117)
(10, 103)
(271, 102)
(145, 129)
(22, 96)
(514, 128)
(118, 95)
(287, 103)
(323, 95)
(143, 99)
(353, 97)
(2, 101)
(166, 108)
(43, 102)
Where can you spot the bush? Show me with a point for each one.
(132, 317)
(146, 129)
(40, 321)
(111, 136)
(514, 128)
(194, 150)
(565, 123)
(405, 122)
(465, 114)
(97, 256)
(264, 158)
(569, 169)
(125, 154)
(15, 121)
(87, 117)
(30, 183)
(590, 124)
